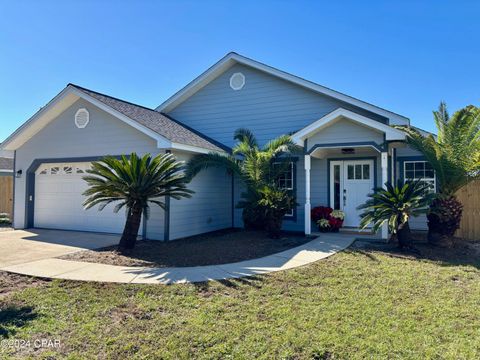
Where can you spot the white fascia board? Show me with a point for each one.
(6, 170)
(232, 58)
(35, 123)
(42, 118)
(162, 142)
(193, 149)
(390, 133)
(196, 84)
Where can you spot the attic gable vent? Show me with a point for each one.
(82, 117)
(237, 81)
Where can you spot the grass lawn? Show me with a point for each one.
(361, 303)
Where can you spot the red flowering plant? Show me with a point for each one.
(327, 219)
(321, 212)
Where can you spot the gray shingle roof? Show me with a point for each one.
(6, 163)
(160, 123)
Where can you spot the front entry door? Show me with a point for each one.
(350, 183)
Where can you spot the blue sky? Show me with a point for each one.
(405, 56)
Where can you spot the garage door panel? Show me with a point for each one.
(59, 202)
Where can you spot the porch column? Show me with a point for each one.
(308, 229)
(384, 164)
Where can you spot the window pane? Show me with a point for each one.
(419, 166)
(429, 174)
(358, 172)
(428, 166)
(336, 187)
(409, 174)
(366, 172)
(419, 174)
(285, 177)
(408, 166)
(350, 171)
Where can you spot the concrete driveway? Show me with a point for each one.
(23, 246)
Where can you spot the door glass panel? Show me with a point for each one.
(336, 187)
(366, 171)
(350, 172)
(358, 172)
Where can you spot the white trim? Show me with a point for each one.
(191, 148)
(82, 110)
(6, 170)
(162, 142)
(292, 175)
(384, 165)
(344, 176)
(7, 143)
(308, 206)
(231, 58)
(232, 85)
(41, 119)
(390, 132)
(432, 180)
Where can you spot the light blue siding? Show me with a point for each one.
(209, 208)
(104, 135)
(270, 107)
(345, 131)
(266, 105)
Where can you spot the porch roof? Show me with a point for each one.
(390, 133)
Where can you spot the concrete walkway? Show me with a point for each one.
(48, 266)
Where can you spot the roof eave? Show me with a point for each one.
(232, 58)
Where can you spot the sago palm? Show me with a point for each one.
(455, 156)
(395, 205)
(134, 183)
(252, 164)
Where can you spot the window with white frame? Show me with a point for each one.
(421, 171)
(285, 178)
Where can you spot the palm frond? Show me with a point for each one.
(243, 135)
(134, 181)
(211, 160)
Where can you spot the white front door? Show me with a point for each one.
(350, 183)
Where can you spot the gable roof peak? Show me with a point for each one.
(232, 57)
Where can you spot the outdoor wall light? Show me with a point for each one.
(19, 174)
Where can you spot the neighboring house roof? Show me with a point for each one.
(154, 120)
(233, 58)
(6, 164)
(168, 132)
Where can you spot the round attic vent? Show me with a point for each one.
(82, 117)
(237, 81)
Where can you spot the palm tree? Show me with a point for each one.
(455, 156)
(134, 183)
(395, 205)
(253, 165)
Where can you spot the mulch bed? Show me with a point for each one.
(220, 247)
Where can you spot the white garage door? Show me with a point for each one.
(58, 201)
